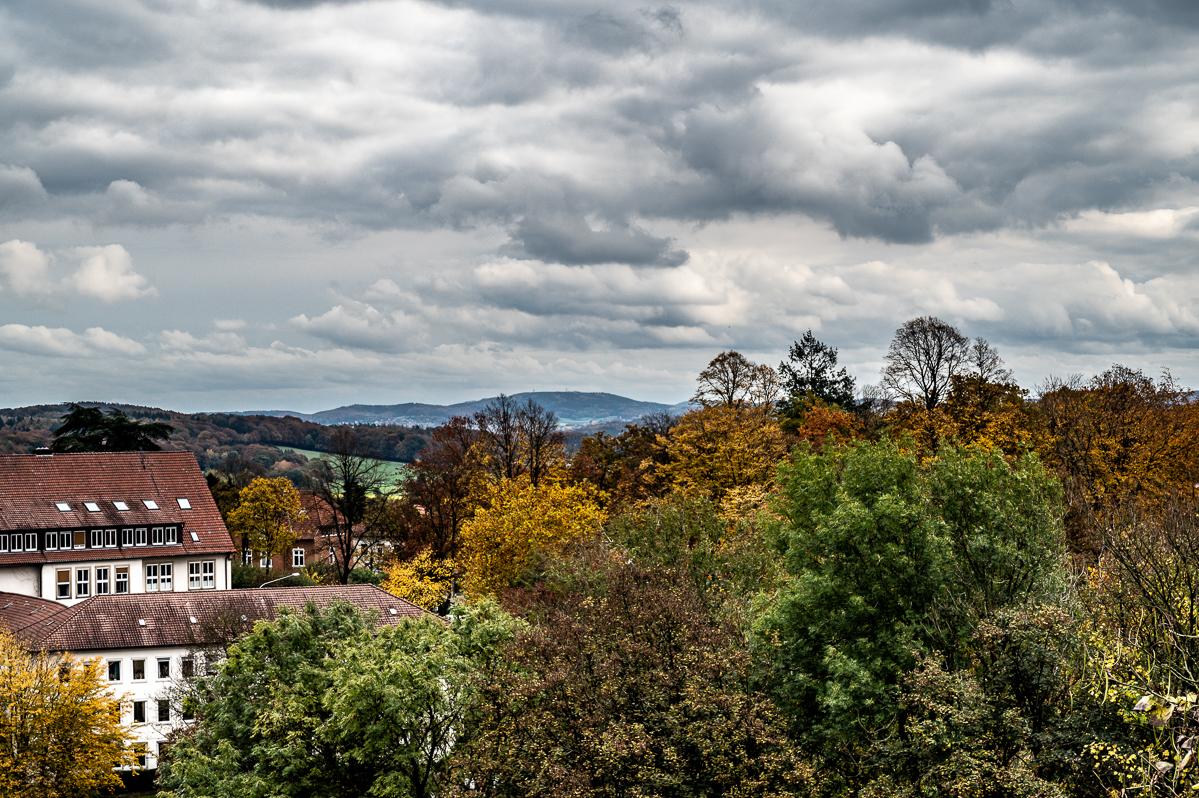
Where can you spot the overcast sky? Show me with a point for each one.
(223, 204)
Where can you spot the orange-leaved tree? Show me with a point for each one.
(519, 519)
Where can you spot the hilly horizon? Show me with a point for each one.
(573, 408)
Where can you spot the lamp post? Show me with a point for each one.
(280, 579)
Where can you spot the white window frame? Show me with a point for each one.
(171, 535)
(126, 536)
(110, 538)
(117, 582)
(140, 534)
(112, 662)
(30, 541)
(193, 576)
(52, 541)
(158, 668)
(297, 557)
(152, 578)
(60, 583)
(165, 577)
(85, 583)
(103, 577)
(208, 574)
(97, 538)
(156, 536)
(4, 542)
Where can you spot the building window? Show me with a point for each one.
(265, 561)
(164, 577)
(3, 542)
(110, 538)
(141, 536)
(156, 536)
(139, 711)
(127, 536)
(164, 710)
(102, 581)
(31, 541)
(83, 582)
(120, 506)
(184, 504)
(139, 749)
(172, 535)
(209, 570)
(80, 540)
(247, 557)
(63, 507)
(151, 578)
(193, 576)
(97, 538)
(64, 583)
(150, 504)
(122, 575)
(188, 667)
(16, 542)
(297, 558)
(51, 541)
(139, 670)
(114, 671)
(164, 668)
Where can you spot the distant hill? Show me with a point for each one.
(573, 408)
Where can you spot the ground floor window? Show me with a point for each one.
(297, 558)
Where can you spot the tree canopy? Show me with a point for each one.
(90, 429)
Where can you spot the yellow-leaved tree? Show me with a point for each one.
(267, 515)
(60, 729)
(425, 580)
(716, 449)
(519, 519)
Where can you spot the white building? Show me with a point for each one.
(73, 526)
(150, 644)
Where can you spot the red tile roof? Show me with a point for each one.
(30, 618)
(108, 622)
(31, 485)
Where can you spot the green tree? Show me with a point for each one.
(889, 558)
(60, 731)
(90, 429)
(811, 368)
(316, 705)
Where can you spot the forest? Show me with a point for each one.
(214, 437)
(947, 584)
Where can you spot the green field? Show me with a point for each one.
(395, 471)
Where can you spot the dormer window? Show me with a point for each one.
(150, 504)
(184, 504)
(66, 508)
(120, 506)
(92, 507)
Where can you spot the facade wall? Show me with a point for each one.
(141, 572)
(148, 691)
(23, 579)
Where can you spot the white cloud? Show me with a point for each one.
(359, 325)
(26, 267)
(62, 342)
(106, 273)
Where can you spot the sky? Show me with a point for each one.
(233, 205)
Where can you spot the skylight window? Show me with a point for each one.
(92, 507)
(184, 504)
(150, 504)
(120, 505)
(66, 508)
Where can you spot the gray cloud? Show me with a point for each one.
(591, 196)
